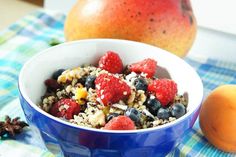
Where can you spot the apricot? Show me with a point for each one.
(218, 118)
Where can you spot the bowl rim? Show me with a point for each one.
(58, 120)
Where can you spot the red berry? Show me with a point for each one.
(120, 123)
(111, 62)
(65, 108)
(111, 89)
(147, 66)
(52, 84)
(164, 90)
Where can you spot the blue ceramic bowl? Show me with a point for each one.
(76, 141)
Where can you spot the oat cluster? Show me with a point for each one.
(93, 113)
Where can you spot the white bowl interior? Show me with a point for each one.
(73, 54)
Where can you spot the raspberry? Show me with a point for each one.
(120, 123)
(147, 66)
(65, 108)
(164, 89)
(111, 89)
(111, 62)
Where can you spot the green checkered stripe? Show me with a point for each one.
(21, 41)
(213, 73)
(34, 32)
(18, 43)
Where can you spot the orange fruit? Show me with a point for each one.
(218, 118)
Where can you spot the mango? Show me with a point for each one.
(168, 24)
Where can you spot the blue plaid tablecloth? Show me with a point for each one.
(34, 33)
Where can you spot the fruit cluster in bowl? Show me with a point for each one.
(112, 96)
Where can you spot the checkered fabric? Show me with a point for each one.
(32, 34)
(21, 41)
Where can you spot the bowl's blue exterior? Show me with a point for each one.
(76, 142)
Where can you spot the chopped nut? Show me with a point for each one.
(137, 98)
(157, 122)
(131, 98)
(69, 88)
(172, 119)
(74, 82)
(116, 110)
(97, 119)
(61, 79)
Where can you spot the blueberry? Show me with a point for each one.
(163, 113)
(89, 83)
(133, 114)
(140, 84)
(178, 110)
(82, 80)
(112, 115)
(153, 106)
(57, 73)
